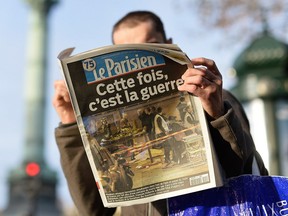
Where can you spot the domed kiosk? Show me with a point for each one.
(262, 87)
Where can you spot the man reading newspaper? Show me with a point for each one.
(227, 122)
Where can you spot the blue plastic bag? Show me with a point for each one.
(246, 195)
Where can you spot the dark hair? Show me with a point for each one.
(132, 19)
(159, 109)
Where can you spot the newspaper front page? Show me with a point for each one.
(144, 139)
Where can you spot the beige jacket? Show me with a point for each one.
(231, 137)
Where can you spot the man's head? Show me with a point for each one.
(139, 27)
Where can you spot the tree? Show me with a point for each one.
(242, 19)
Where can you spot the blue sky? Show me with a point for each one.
(85, 25)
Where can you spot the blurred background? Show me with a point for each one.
(220, 30)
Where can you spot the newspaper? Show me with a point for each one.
(144, 139)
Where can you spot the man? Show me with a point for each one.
(227, 122)
(161, 130)
(181, 107)
(146, 119)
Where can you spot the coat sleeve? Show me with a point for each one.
(232, 139)
(77, 172)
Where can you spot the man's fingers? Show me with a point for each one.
(201, 76)
(61, 92)
(209, 75)
(189, 88)
(208, 63)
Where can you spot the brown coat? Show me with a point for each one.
(232, 141)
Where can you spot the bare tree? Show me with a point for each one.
(241, 19)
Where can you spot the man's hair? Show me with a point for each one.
(132, 19)
(159, 109)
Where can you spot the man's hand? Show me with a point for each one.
(205, 81)
(62, 104)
